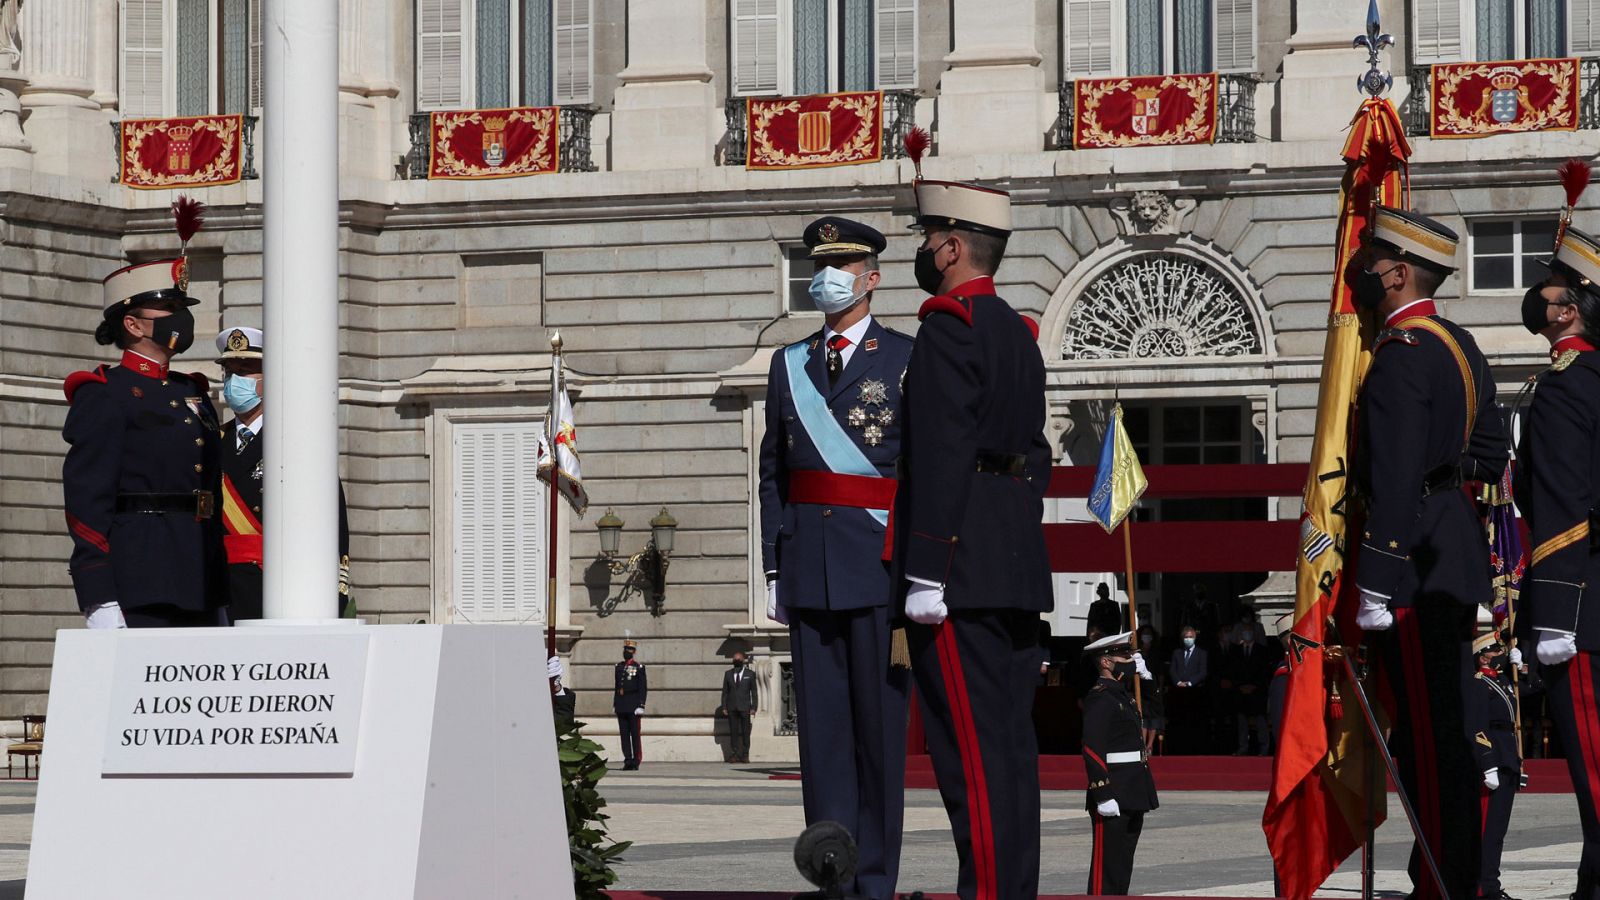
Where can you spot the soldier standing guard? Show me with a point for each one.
(827, 485)
(1558, 489)
(633, 687)
(142, 474)
(1492, 730)
(1426, 423)
(970, 557)
(1121, 789)
(240, 357)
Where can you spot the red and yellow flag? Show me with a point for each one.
(1316, 811)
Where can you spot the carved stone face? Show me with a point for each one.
(1150, 207)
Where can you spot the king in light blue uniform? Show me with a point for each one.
(828, 462)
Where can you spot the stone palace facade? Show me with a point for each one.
(1190, 282)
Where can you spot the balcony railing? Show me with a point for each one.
(899, 117)
(577, 149)
(246, 172)
(1236, 112)
(1417, 114)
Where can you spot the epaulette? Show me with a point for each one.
(1033, 325)
(79, 379)
(1565, 359)
(900, 334)
(960, 307)
(200, 381)
(1404, 335)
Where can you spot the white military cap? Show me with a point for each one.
(1484, 642)
(1416, 237)
(239, 343)
(141, 283)
(951, 204)
(1111, 643)
(1580, 253)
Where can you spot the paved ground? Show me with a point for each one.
(710, 827)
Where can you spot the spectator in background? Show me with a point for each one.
(1155, 718)
(738, 705)
(1105, 614)
(1249, 627)
(1200, 613)
(1278, 690)
(1251, 667)
(1187, 712)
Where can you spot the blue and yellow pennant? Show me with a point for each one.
(1119, 482)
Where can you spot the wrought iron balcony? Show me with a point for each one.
(1236, 112)
(577, 153)
(247, 171)
(899, 117)
(1417, 113)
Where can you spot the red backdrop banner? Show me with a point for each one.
(494, 143)
(814, 132)
(197, 151)
(1481, 98)
(1154, 111)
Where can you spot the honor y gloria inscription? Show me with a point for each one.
(256, 704)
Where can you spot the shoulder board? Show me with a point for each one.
(1567, 358)
(201, 381)
(899, 334)
(1389, 335)
(1097, 688)
(960, 307)
(1033, 325)
(79, 379)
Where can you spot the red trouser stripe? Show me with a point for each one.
(1422, 736)
(1580, 672)
(1097, 868)
(1483, 811)
(966, 731)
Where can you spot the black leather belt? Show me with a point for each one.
(200, 504)
(997, 463)
(1444, 478)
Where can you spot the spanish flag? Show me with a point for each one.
(1119, 482)
(558, 446)
(1315, 815)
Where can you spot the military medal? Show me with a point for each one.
(258, 470)
(873, 435)
(886, 417)
(874, 392)
(857, 417)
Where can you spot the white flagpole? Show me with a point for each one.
(553, 422)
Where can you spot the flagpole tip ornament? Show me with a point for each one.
(555, 341)
(1375, 82)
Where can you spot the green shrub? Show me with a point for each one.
(593, 852)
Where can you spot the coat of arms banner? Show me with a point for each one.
(196, 151)
(494, 143)
(1152, 111)
(1475, 99)
(814, 132)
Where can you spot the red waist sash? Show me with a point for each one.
(859, 491)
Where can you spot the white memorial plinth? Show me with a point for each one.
(317, 761)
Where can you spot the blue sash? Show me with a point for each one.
(841, 454)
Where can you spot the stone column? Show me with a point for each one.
(994, 77)
(665, 115)
(15, 150)
(67, 128)
(103, 67)
(1321, 68)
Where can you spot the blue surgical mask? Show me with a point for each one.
(834, 290)
(240, 393)
(1188, 642)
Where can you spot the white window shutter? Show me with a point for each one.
(574, 54)
(897, 43)
(1088, 38)
(755, 46)
(500, 514)
(1436, 31)
(1235, 31)
(144, 36)
(254, 63)
(441, 52)
(1583, 27)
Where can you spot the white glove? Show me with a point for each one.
(1374, 614)
(1109, 809)
(1491, 779)
(1516, 657)
(775, 610)
(925, 604)
(1139, 666)
(554, 669)
(106, 615)
(1555, 647)
(639, 711)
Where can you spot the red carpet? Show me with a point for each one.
(785, 895)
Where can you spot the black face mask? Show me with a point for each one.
(1368, 290)
(929, 276)
(1123, 671)
(1535, 309)
(738, 664)
(627, 654)
(174, 332)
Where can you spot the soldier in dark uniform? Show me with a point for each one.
(1121, 789)
(828, 457)
(240, 356)
(632, 688)
(142, 475)
(1557, 486)
(563, 700)
(970, 556)
(1492, 734)
(1426, 423)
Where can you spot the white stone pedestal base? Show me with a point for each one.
(455, 792)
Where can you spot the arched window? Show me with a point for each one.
(1160, 305)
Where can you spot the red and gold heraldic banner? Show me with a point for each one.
(1481, 98)
(197, 151)
(814, 132)
(1152, 111)
(494, 143)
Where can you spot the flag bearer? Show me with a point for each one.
(1121, 789)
